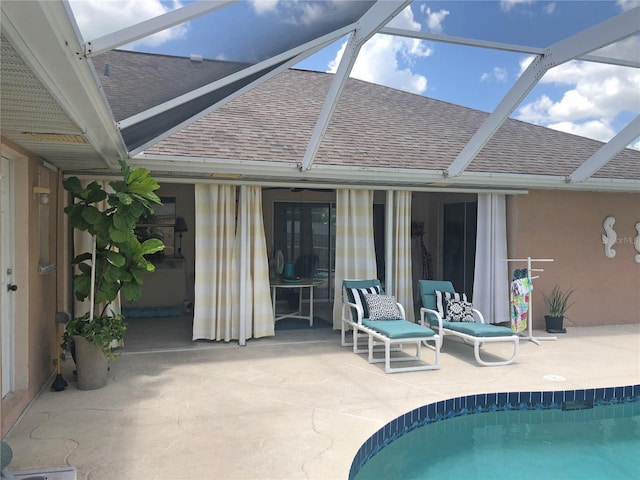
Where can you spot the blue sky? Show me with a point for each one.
(588, 99)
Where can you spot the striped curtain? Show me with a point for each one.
(401, 250)
(251, 269)
(215, 295)
(355, 250)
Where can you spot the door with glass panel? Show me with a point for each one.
(305, 234)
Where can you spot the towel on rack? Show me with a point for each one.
(519, 294)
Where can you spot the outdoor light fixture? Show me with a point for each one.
(44, 194)
(179, 227)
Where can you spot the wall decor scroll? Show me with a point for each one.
(609, 237)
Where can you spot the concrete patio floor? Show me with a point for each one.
(293, 406)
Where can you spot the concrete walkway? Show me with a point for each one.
(294, 406)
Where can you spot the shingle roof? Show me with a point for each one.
(373, 126)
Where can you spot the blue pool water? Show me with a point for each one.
(586, 434)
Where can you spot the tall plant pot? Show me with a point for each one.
(554, 324)
(91, 364)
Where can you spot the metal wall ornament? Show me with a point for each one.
(609, 237)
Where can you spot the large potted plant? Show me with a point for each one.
(113, 267)
(557, 303)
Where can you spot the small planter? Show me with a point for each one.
(554, 324)
(92, 365)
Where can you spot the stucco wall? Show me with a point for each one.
(568, 227)
(35, 298)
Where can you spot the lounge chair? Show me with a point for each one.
(368, 317)
(475, 332)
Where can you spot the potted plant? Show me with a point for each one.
(557, 305)
(114, 266)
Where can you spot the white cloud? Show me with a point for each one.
(596, 94)
(507, 5)
(628, 4)
(498, 74)
(96, 18)
(549, 8)
(380, 58)
(264, 6)
(434, 19)
(595, 129)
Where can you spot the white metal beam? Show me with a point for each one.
(598, 36)
(507, 47)
(300, 53)
(606, 152)
(153, 25)
(164, 134)
(379, 14)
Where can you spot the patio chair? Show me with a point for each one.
(378, 317)
(470, 325)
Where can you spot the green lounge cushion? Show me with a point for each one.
(478, 329)
(398, 328)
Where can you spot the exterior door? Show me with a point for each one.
(6, 273)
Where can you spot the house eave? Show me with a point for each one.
(245, 171)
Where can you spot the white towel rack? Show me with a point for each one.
(529, 261)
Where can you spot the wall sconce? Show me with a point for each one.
(180, 227)
(44, 194)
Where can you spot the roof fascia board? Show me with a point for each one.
(598, 36)
(46, 37)
(300, 53)
(606, 152)
(284, 171)
(148, 27)
(268, 183)
(379, 14)
(227, 99)
(507, 47)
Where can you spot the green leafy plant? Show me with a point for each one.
(120, 258)
(558, 301)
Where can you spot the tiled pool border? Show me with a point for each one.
(488, 402)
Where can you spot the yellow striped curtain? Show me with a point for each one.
(253, 303)
(215, 216)
(355, 250)
(401, 248)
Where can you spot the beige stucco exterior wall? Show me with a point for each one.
(568, 227)
(35, 299)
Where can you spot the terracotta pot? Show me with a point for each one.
(91, 364)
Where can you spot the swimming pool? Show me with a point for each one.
(517, 435)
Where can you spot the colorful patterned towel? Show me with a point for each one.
(519, 291)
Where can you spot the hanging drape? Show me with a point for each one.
(355, 250)
(251, 269)
(215, 217)
(401, 249)
(83, 242)
(232, 300)
(491, 277)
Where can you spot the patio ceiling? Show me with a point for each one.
(53, 105)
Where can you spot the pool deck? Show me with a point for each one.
(293, 406)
